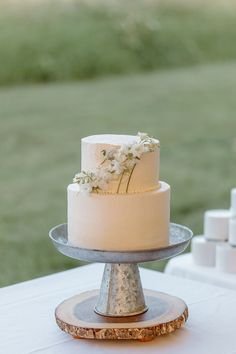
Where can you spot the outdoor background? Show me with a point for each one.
(69, 69)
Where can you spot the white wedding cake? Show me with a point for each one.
(117, 202)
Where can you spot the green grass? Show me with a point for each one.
(191, 111)
(76, 41)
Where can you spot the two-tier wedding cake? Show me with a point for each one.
(117, 202)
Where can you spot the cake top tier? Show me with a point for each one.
(119, 163)
(113, 139)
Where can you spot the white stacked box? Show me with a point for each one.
(216, 226)
(203, 251)
(226, 254)
(233, 203)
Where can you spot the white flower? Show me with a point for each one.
(77, 177)
(137, 150)
(86, 188)
(102, 184)
(143, 136)
(124, 149)
(75, 180)
(120, 156)
(103, 173)
(116, 167)
(109, 154)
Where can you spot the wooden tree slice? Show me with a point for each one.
(165, 314)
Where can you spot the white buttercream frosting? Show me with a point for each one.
(119, 221)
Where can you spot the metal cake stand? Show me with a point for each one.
(119, 310)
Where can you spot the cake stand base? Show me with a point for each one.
(165, 314)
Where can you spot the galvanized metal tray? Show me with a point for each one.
(179, 239)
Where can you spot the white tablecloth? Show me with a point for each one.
(27, 322)
(183, 266)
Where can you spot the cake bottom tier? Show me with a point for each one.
(119, 222)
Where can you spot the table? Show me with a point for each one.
(183, 266)
(28, 326)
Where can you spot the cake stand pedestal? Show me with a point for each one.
(121, 309)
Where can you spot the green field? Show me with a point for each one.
(191, 111)
(59, 41)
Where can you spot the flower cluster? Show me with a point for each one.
(145, 139)
(91, 181)
(117, 161)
